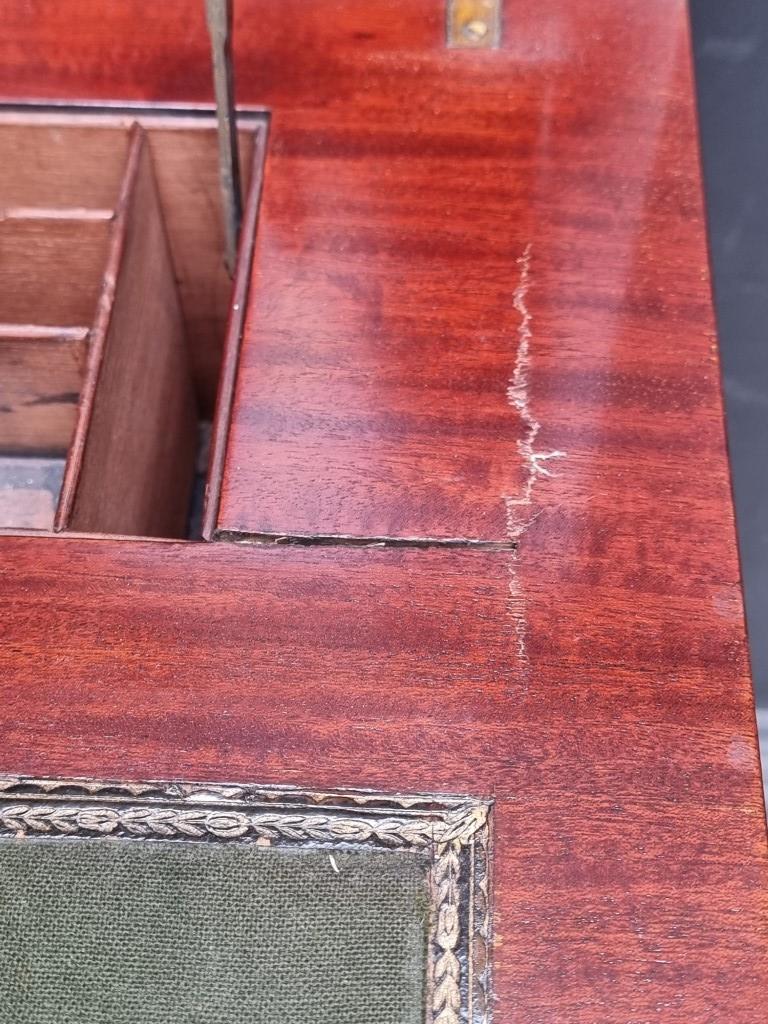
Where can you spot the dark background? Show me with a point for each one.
(731, 59)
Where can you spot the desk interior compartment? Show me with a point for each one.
(114, 300)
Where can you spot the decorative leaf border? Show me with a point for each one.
(453, 832)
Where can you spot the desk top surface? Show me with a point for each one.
(480, 311)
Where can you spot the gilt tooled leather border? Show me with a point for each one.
(453, 832)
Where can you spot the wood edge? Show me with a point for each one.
(55, 213)
(99, 331)
(125, 115)
(233, 339)
(38, 332)
(16, 532)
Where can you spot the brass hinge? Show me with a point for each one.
(474, 24)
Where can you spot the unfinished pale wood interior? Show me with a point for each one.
(113, 308)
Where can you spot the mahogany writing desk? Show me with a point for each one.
(468, 542)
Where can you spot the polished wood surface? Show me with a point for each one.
(629, 848)
(480, 309)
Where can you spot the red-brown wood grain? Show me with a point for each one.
(629, 875)
(432, 221)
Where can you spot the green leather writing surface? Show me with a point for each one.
(105, 931)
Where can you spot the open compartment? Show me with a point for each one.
(115, 312)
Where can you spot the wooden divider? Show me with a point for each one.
(41, 370)
(53, 263)
(60, 162)
(130, 466)
(113, 309)
(72, 162)
(187, 173)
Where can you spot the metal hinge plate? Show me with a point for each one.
(474, 24)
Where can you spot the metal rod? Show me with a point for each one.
(219, 18)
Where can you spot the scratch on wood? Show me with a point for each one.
(520, 509)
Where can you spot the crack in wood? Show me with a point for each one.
(343, 540)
